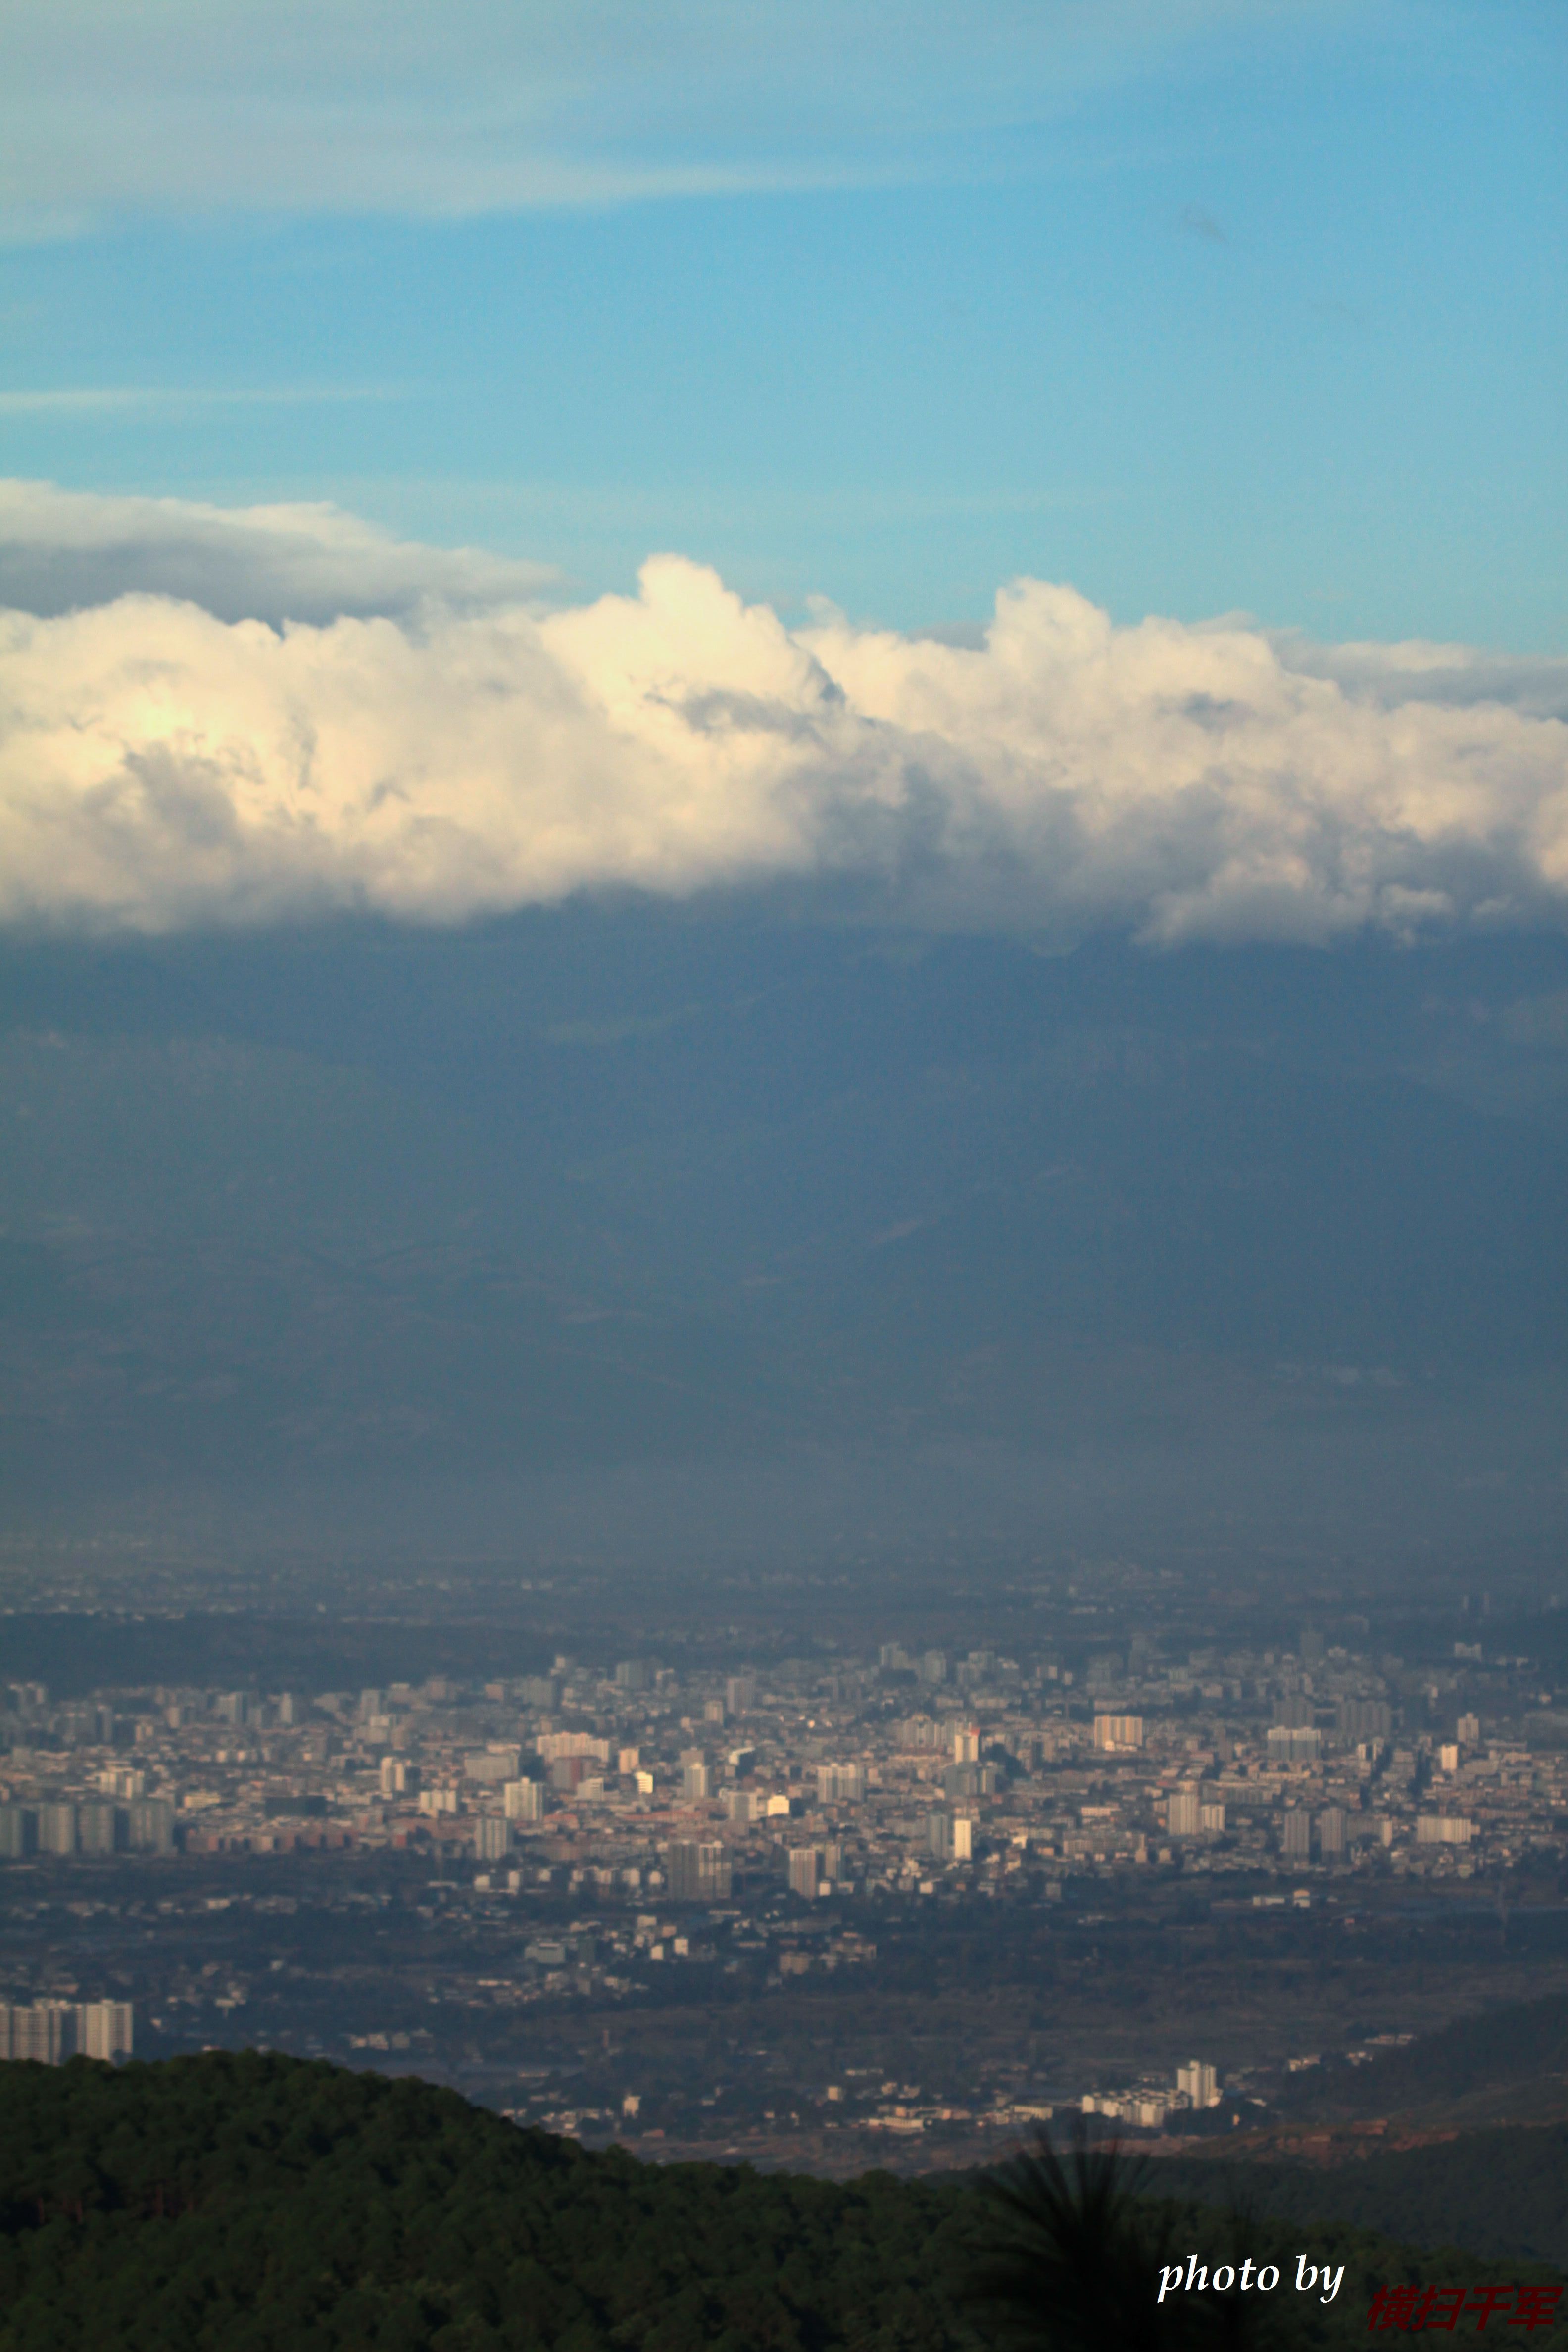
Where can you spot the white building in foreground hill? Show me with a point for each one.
(49, 2032)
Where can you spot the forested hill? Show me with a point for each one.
(251, 2203)
(241, 2202)
(1499, 2193)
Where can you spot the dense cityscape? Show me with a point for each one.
(543, 1885)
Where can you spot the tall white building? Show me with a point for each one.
(98, 1829)
(1293, 1743)
(1183, 1812)
(1444, 1829)
(18, 1832)
(152, 1825)
(44, 2031)
(1198, 2082)
(49, 2032)
(699, 1869)
(104, 2029)
(56, 1829)
(951, 1836)
(523, 1801)
(805, 1869)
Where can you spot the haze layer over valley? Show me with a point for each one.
(700, 1213)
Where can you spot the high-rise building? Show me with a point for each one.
(698, 1870)
(1294, 1712)
(744, 1804)
(965, 1743)
(1293, 1743)
(1199, 2084)
(840, 1784)
(98, 1829)
(633, 1674)
(553, 1745)
(1184, 1816)
(56, 1829)
(950, 1836)
(18, 1832)
(523, 1801)
(1331, 1832)
(741, 1693)
(45, 2033)
(151, 1825)
(1470, 1730)
(1364, 1718)
(49, 2032)
(805, 1869)
(1296, 1837)
(1116, 1731)
(104, 2029)
(696, 1783)
(1444, 1829)
(933, 1667)
(493, 1837)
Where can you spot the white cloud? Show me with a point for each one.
(161, 765)
(347, 106)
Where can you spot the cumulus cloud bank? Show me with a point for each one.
(163, 764)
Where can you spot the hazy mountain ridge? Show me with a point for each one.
(609, 1186)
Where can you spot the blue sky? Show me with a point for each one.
(1197, 307)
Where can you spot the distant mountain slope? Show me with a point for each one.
(604, 1187)
(249, 2203)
